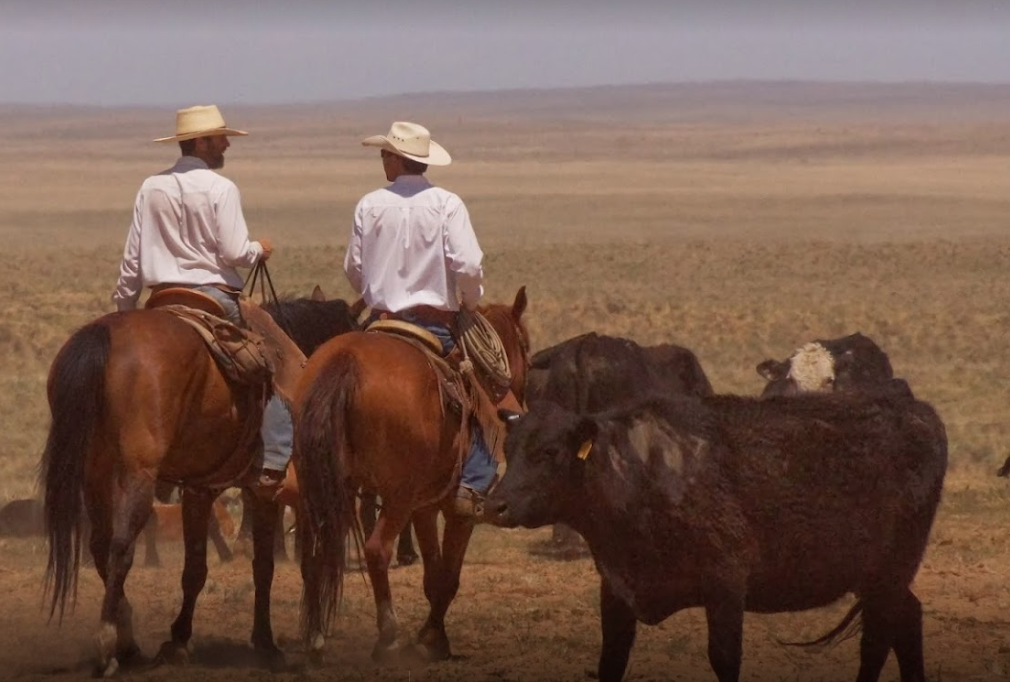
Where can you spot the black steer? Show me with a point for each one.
(594, 372)
(736, 504)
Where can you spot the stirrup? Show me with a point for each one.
(469, 504)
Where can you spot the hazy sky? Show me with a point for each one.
(114, 52)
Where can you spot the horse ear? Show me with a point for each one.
(358, 307)
(519, 306)
(317, 294)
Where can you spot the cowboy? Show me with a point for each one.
(188, 231)
(413, 256)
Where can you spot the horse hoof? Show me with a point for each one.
(173, 653)
(406, 559)
(385, 653)
(432, 646)
(272, 659)
(109, 669)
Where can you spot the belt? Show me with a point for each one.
(222, 287)
(420, 313)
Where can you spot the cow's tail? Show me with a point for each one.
(325, 506)
(850, 626)
(76, 396)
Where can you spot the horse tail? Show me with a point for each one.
(326, 507)
(76, 397)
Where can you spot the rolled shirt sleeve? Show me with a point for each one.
(463, 255)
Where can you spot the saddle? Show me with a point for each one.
(240, 353)
(460, 390)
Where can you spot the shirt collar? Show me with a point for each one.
(413, 181)
(187, 163)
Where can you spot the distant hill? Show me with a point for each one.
(729, 101)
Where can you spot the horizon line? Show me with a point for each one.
(365, 99)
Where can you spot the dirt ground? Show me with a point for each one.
(521, 615)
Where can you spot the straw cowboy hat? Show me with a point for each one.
(411, 141)
(199, 121)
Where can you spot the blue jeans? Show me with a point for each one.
(277, 431)
(480, 466)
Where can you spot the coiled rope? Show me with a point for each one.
(482, 347)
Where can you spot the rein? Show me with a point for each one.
(261, 274)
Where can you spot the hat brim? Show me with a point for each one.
(213, 132)
(437, 156)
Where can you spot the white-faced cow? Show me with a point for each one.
(593, 372)
(847, 363)
(740, 504)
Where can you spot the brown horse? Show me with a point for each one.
(136, 397)
(368, 412)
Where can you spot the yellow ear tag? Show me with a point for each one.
(584, 450)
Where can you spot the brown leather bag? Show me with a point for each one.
(241, 354)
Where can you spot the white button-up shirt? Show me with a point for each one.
(187, 228)
(413, 244)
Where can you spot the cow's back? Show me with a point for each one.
(837, 490)
(593, 373)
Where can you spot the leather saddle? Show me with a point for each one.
(240, 353)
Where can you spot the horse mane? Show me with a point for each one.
(310, 322)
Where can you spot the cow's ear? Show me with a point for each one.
(773, 370)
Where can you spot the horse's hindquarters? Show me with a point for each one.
(170, 407)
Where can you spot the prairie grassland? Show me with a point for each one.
(740, 239)
(729, 221)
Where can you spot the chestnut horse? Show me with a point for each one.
(368, 412)
(135, 397)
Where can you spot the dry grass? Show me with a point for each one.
(736, 227)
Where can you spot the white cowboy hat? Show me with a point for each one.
(199, 121)
(411, 141)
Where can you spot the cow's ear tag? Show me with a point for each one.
(584, 450)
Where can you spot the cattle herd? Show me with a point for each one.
(826, 484)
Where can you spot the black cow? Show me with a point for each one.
(740, 504)
(848, 363)
(22, 518)
(591, 372)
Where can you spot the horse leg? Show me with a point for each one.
(196, 511)
(280, 550)
(217, 537)
(440, 586)
(264, 530)
(114, 557)
(378, 554)
(405, 552)
(243, 539)
(151, 558)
